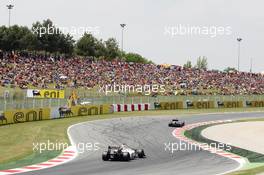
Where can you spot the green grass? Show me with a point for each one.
(251, 171)
(16, 141)
(31, 159)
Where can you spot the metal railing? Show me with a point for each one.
(16, 99)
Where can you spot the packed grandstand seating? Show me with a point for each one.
(24, 70)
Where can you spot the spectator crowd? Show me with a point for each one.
(25, 70)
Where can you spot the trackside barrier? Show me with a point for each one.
(38, 114)
(206, 104)
(254, 104)
(169, 105)
(230, 104)
(200, 105)
(131, 107)
(26, 115)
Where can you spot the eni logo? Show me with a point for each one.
(203, 105)
(171, 105)
(52, 94)
(20, 117)
(232, 104)
(45, 93)
(258, 103)
(94, 110)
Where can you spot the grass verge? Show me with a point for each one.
(251, 171)
(16, 141)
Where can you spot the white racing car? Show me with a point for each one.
(122, 153)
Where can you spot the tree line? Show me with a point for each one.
(45, 36)
(202, 63)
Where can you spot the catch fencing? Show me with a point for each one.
(17, 99)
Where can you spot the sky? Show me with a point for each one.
(163, 31)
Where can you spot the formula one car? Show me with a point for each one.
(122, 153)
(176, 123)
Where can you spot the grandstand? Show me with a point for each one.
(86, 75)
(39, 72)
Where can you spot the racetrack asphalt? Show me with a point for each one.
(149, 133)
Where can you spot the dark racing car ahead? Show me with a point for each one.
(122, 153)
(176, 123)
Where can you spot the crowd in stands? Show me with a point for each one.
(27, 70)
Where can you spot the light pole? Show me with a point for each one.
(238, 59)
(10, 7)
(122, 37)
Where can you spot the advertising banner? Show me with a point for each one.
(200, 104)
(84, 110)
(26, 115)
(80, 110)
(170, 105)
(255, 104)
(45, 93)
(230, 104)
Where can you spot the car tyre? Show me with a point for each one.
(105, 156)
(141, 153)
(126, 156)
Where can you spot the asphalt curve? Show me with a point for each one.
(149, 133)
